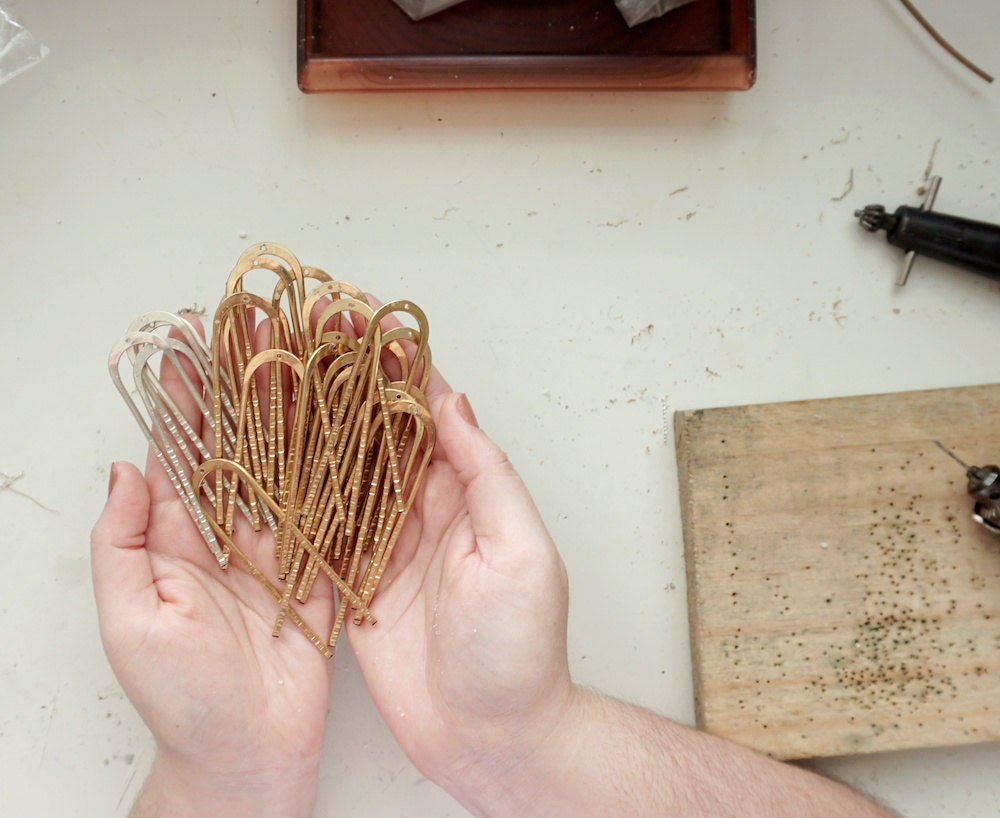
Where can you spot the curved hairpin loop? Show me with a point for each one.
(237, 305)
(268, 469)
(425, 436)
(384, 542)
(171, 425)
(232, 346)
(338, 388)
(301, 450)
(403, 427)
(333, 464)
(174, 348)
(133, 347)
(345, 343)
(335, 290)
(316, 274)
(339, 466)
(392, 345)
(323, 507)
(163, 441)
(234, 332)
(157, 319)
(283, 263)
(323, 437)
(201, 354)
(286, 279)
(231, 319)
(259, 255)
(374, 446)
(390, 497)
(198, 478)
(191, 343)
(335, 312)
(303, 546)
(139, 347)
(411, 385)
(308, 274)
(422, 352)
(419, 361)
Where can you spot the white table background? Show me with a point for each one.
(590, 263)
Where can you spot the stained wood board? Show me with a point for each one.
(841, 598)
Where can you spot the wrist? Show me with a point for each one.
(517, 775)
(179, 787)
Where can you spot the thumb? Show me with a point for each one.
(122, 575)
(502, 513)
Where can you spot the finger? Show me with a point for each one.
(122, 574)
(500, 508)
(437, 386)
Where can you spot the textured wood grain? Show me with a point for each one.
(841, 598)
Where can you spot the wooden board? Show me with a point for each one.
(841, 598)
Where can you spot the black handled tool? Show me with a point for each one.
(965, 243)
(983, 488)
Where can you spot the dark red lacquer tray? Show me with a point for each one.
(371, 45)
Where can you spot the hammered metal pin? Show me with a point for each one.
(313, 423)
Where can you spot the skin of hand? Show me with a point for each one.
(467, 663)
(238, 716)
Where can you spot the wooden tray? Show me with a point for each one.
(841, 598)
(354, 45)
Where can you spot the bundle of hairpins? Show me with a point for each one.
(314, 402)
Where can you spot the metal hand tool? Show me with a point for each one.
(984, 488)
(965, 243)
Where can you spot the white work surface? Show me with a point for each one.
(589, 262)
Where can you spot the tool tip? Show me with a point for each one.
(951, 454)
(872, 218)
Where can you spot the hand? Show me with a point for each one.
(237, 715)
(467, 663)
(468, 667)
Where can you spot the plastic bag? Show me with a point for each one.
(19, 50)
(634, 11)
(639, 11)
(418, 9)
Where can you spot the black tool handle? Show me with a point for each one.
(962, 242)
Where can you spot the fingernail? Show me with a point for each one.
(464, 409)
(112, 477)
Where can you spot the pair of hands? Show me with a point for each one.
(467, 664)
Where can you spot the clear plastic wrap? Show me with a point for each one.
(418, 9)
(639, 11)
(634, 11)
(19, 50)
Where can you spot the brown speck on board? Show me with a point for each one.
(841, 598)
